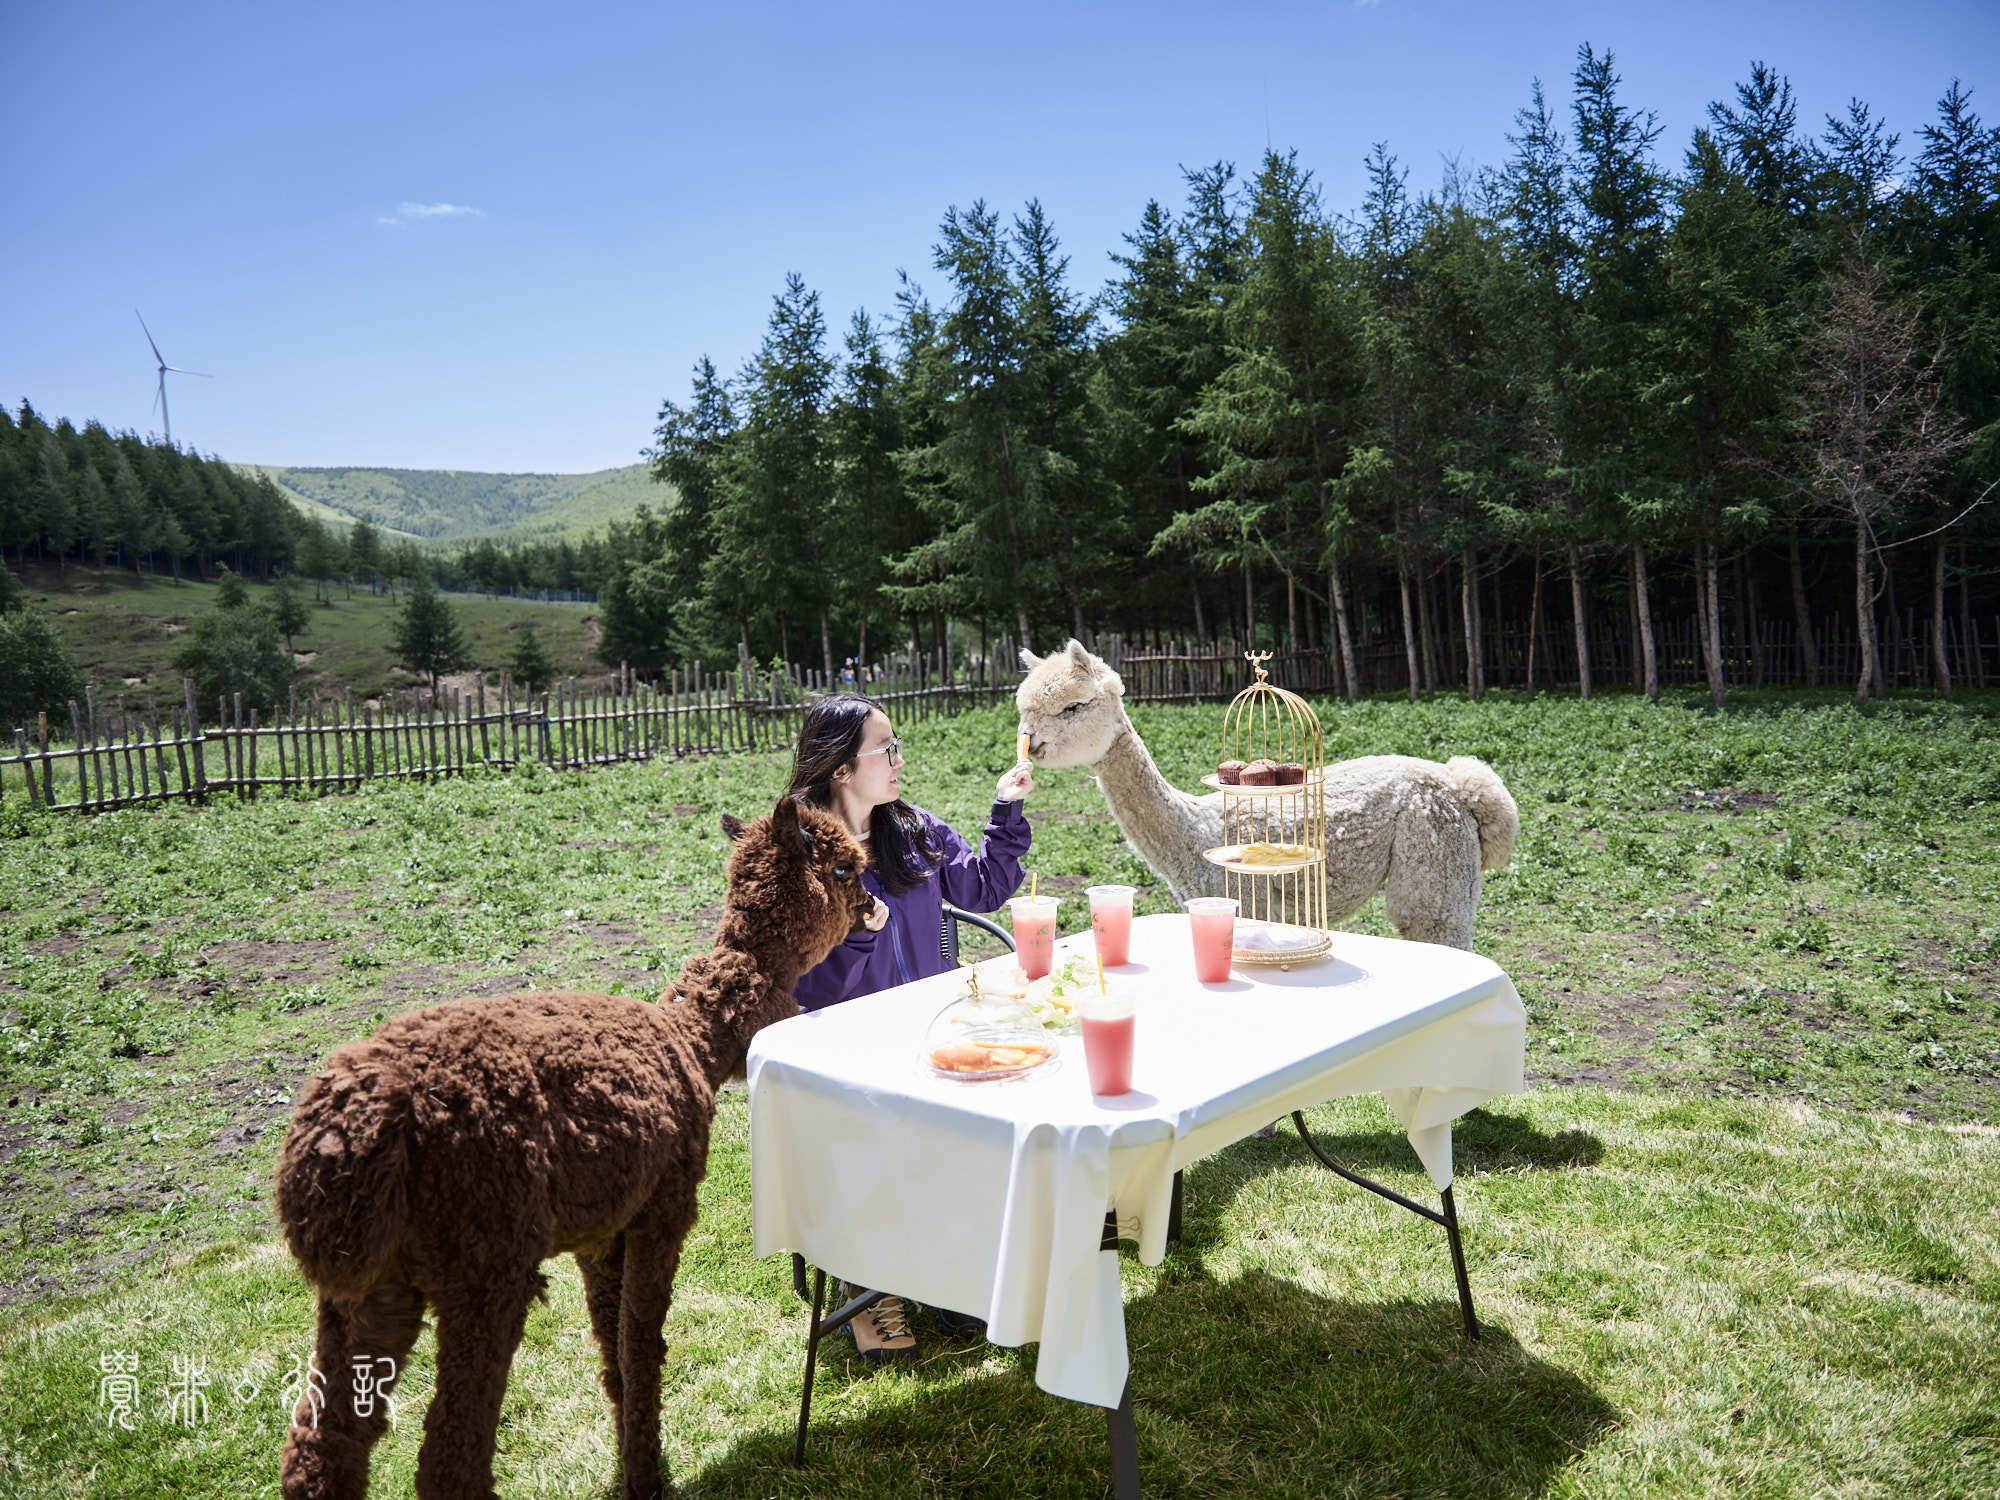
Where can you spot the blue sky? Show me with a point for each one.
(495, 236)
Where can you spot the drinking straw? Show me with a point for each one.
(1100, 976)
(1031, 885)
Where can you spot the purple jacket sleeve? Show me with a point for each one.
(980, 882)
(834, 977)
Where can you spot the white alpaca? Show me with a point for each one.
(1424, 829)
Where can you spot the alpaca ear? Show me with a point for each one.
(1077, 653)
(733, 827)
(785, 827)
(1029, 661)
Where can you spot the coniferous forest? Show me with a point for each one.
(1744, 387)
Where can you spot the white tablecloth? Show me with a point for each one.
(990, 1198)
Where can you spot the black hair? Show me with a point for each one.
(902, 850)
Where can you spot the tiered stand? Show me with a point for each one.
(1289, 896)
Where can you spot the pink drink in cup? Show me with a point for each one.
(1111, 923)
(1034, 933)
(1108, 1026)
(1213, 922)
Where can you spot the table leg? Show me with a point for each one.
(1124, 1438)
(1458, 1265)
(1448, 1218)
(812, 1357)
(821, 1326)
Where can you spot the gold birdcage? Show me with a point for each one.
(1273, 853)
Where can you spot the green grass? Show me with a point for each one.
(1765, 1263)
(117, 628)
(1680, 1296)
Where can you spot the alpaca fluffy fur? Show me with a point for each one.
(1422, 830)
(442, 1159)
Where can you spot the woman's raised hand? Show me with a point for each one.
(1016, 784)
(877, 918)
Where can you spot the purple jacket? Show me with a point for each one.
(907, 947)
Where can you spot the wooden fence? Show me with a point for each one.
(117, 754)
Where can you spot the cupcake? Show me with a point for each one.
(1230, 772)
(1261, 773)
(1291, 773)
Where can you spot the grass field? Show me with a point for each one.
(122, 632)
(455, 508)
(1739, 1239)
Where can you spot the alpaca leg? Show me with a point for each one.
(603, 1281)
(1433, 888)
(651, 1256)
(326, 1453)
(479, 1322)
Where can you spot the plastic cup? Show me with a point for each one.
(1109, 1023)
(1034, 933)
(1111, 923)
(1212, 920)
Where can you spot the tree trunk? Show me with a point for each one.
(1802, 609)
(1426, 643)
(1291, 613)
(826, 648)
(1975, 675)
(1409, 633)
(861, 660)
(1889, 663)
(1534, 621)
(1475, 650)
(1582, 625)
(1076, 610)
(1709, 568)
(1200, 619)
(1864, 616)
(1753, 611)
(1249, 610)
(1939, 664)
(1021, 622)
(1643, 602)
(1339, 596)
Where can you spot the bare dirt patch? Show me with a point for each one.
(317, 958)
(1725, 799)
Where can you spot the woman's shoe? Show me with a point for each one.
(883, 1332)
(958, 1325)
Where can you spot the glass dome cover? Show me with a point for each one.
(986, 1035)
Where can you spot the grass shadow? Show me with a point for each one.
(1254, 1386)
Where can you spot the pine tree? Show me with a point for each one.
(229, 590)
(1620, 214)
(289, 613)
(364, 548)
(532, 666)
(778, 480)
(428, 638)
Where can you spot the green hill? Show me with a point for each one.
(457, 506)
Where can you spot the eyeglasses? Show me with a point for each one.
(894, 750)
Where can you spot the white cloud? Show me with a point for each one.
(409, 212)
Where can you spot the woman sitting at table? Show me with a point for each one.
(849, 762)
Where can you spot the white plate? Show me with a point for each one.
(1252, 791)
(1230, 857)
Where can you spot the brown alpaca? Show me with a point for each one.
(442, 1159)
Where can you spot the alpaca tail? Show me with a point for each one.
(1492, 807)
(343, 1176)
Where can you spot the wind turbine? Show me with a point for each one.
(160, 397)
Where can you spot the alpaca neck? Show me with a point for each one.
(1132, 783)
(719, 1035)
